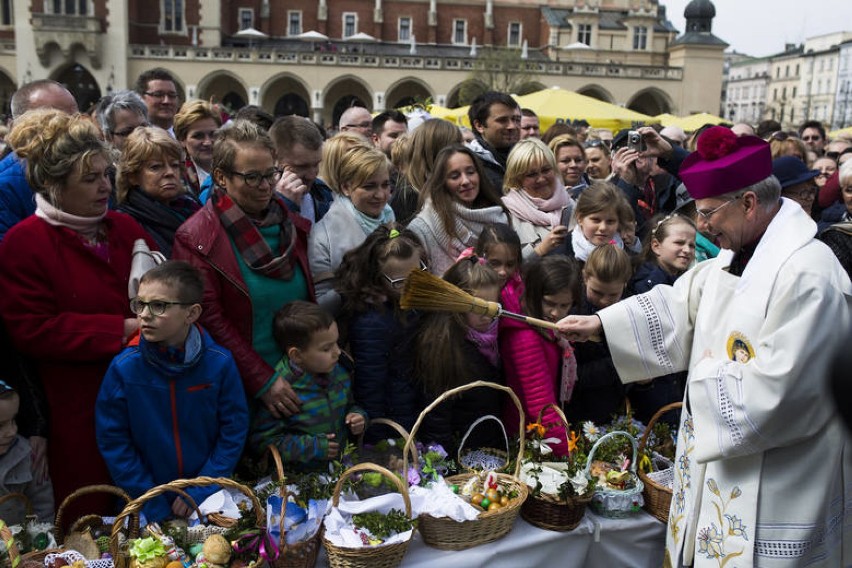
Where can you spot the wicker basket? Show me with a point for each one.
(548, 511)
(135, 506)
(616, 503)
(88, 521)
(365, 457)
(658, 497)
(447, 534)
(489, 454)
(370, 556)
(299, 555)
(9, 541)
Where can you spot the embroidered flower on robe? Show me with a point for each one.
(710, 542)
(735, 526)
(711, 485)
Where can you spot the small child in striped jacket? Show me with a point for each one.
(307, 335)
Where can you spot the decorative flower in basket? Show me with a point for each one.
(559, 487)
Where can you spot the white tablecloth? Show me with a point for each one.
(636, 542)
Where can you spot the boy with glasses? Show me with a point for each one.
(172, 404)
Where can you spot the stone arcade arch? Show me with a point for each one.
(81, 83)
(407, 91)
(7, 89)
(286, 94)
(596, 92)
(223, 87)
(651, 101)
(344, 92)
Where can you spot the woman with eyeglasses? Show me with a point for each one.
(360, 206)
(149, 186)
(63, 286)
(538, 202)
(196, 124)
(252, 253)
(599, 160)
(836, 223)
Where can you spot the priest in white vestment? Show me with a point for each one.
(762, 464)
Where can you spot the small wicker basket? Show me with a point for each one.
(448, 534)
(548, 511)
(119, 554)
(88, 521)
(616, 503)
(369, 556)
(299, 555)
(658, 497)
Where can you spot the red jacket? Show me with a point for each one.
(64, 307)
(532, 367)
(227, 315)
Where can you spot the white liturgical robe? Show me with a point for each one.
(761, 464)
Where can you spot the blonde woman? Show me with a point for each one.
(360, 206)
(538, 202)
(150, 186)
(196, 124)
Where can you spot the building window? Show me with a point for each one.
(584, 33)
(797, 69)
(460, 32)
(794, 92)
(66, 7)
(514, 35)
(246, 18)
(640, 37)
(350, 24)
(294, 22)
(6, 15)
(172, 15)
(404, 33)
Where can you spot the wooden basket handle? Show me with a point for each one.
(561, 416)
(399, 430)
(657, 415)
(28, 506)
(282, 492)
(135, 506)
(11, 545)
(476, 423)
(386, 473)
(452, 392)
(607, 437)
(59, 532)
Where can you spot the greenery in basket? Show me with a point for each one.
(660, 441)
(381, 526)
(538, 452)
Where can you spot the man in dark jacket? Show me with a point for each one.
(496, 121)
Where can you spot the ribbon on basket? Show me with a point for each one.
(258, 543)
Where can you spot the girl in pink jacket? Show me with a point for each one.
(539, 366)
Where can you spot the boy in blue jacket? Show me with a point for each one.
(172, 403)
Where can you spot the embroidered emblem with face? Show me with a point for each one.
(739, 348)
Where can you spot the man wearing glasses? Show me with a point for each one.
(812, 134)
(357, 119)
(157, 88)
(756, 328)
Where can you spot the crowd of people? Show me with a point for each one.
(276, 319)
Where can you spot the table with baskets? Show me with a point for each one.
(597, 542)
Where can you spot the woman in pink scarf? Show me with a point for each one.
(536, 198)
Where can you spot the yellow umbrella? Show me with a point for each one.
(555, 105)
(842, 133)
(693, 122)
(667, 119)
(454, 115)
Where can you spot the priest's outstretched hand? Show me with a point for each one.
(580, 328)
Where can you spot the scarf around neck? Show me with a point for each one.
(88, 227)
(467, 224)
(368, 224)
(486, 343)
(249, 241)
(583, 247)
(538, 211)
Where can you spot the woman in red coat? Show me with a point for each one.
(252, 253)
(63, 283)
